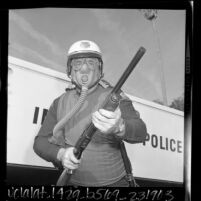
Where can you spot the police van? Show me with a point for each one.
(159, 161)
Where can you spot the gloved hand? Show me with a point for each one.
(107, 121)
(68, 159)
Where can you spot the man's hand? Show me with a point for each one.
(68, 159)
(107, 121)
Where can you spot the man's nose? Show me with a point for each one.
(85, 68)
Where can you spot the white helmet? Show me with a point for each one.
(83, 48)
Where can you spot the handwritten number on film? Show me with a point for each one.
(153, 195)
(102, 194)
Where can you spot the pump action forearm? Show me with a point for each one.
(111, 103)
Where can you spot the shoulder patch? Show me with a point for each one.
(105, 84)
(70, 87)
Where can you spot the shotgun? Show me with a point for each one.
(110, 103)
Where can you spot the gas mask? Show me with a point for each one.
(85, 72)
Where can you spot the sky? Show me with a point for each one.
(44, 35)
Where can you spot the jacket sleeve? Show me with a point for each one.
(42, 146)
(135, 128)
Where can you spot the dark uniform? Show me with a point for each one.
(101, 162)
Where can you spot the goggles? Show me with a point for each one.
(77, 63)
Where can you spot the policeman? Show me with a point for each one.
(101, 163)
